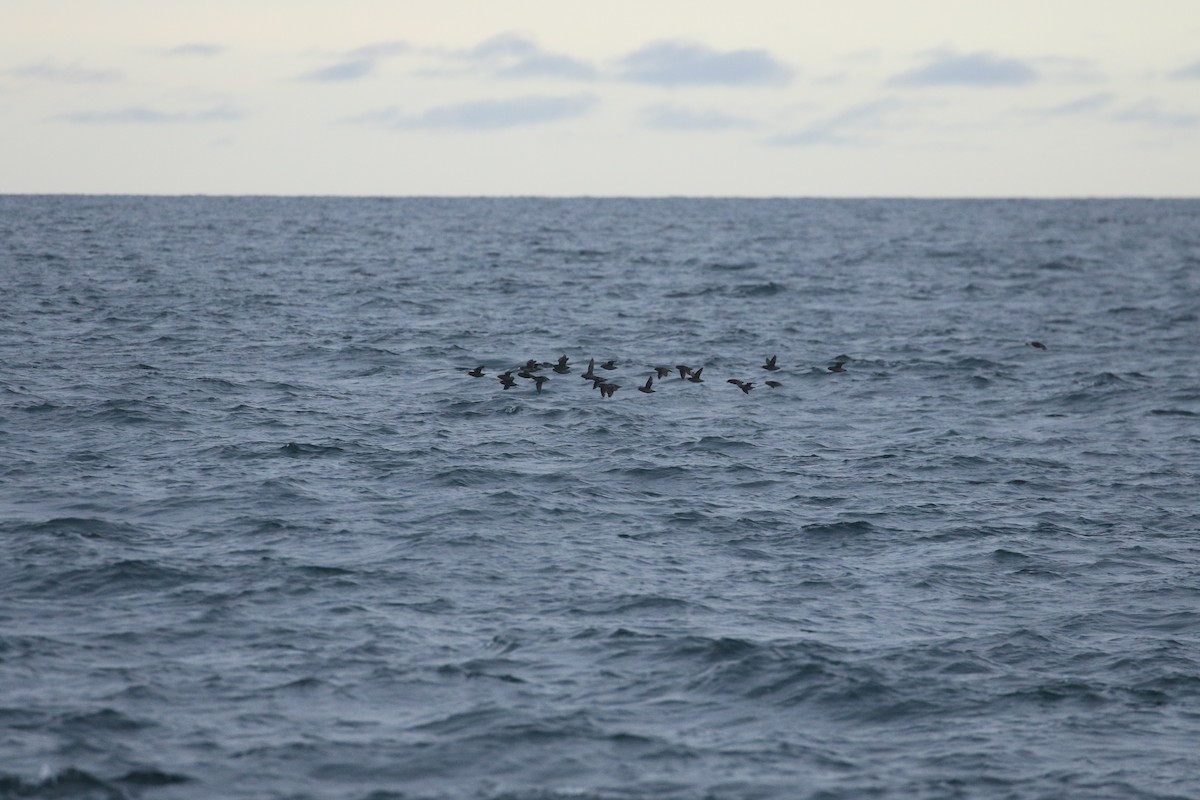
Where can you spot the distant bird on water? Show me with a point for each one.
(774, 384)
(1038, 345)
(770, 365)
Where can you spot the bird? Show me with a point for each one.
(774, 384)
(476, 373)
(770, 365)
(695, 376)
(836, 367)
(684, 370)
(646, 388)
(589, 375)
(610, 364)
(506, 379)
(607, 389)
(662, 372)
(1038, 345)
(743, 385)
(532, 365)
(561, 368)
(525, 373)
(539, 380)
(597, 382)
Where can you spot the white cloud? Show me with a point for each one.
(144, 115)
(1149, 114)
(1089, 104)
(676, 118)
(673, 63)
(63, 73)
(970, 69)
(342, 71)
(485, 115)
(845, 128)
(1190, 72)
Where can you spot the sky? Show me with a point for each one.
(753, 98)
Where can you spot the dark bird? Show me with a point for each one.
(646, 388)
(610, 364)
(743, 385)
(607, 389)
(836, 367)
(1038, 345)
(506, 379)
(770, 365)
(774, 384)
(695, 376)
(663, 372)
(561, 368)
(539, 380)
(684, 370)
(526, 374)
(597, 382)
(532, 365)
(589, 375)
(476, 373)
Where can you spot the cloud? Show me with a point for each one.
(196, 49)
(142, 115)
(1148, 113)
(844, 128)
(357, 63)
(484, 115)
(63, 73)
(502, 45)
(549, 65)
(510, 55)
(668, 63)
(675, 118)
(970, 69)
(1089, 104)
(379, 50)
(1188, 73)
(343, 71)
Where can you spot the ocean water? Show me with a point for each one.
(261, 536)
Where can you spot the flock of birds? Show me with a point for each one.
(531, 369)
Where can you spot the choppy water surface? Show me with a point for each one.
(264, 538)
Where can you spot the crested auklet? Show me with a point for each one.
(684, 370)
(662, 372)
(561, 368)
(646, 388)
(695, 376)
(539, 380)
(610, 364)
(1038, 345)
(743, 385)
(476, 373)
(770, 365)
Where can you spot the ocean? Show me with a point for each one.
(263, 536)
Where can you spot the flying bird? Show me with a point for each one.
(646, 388)
(770, 365)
